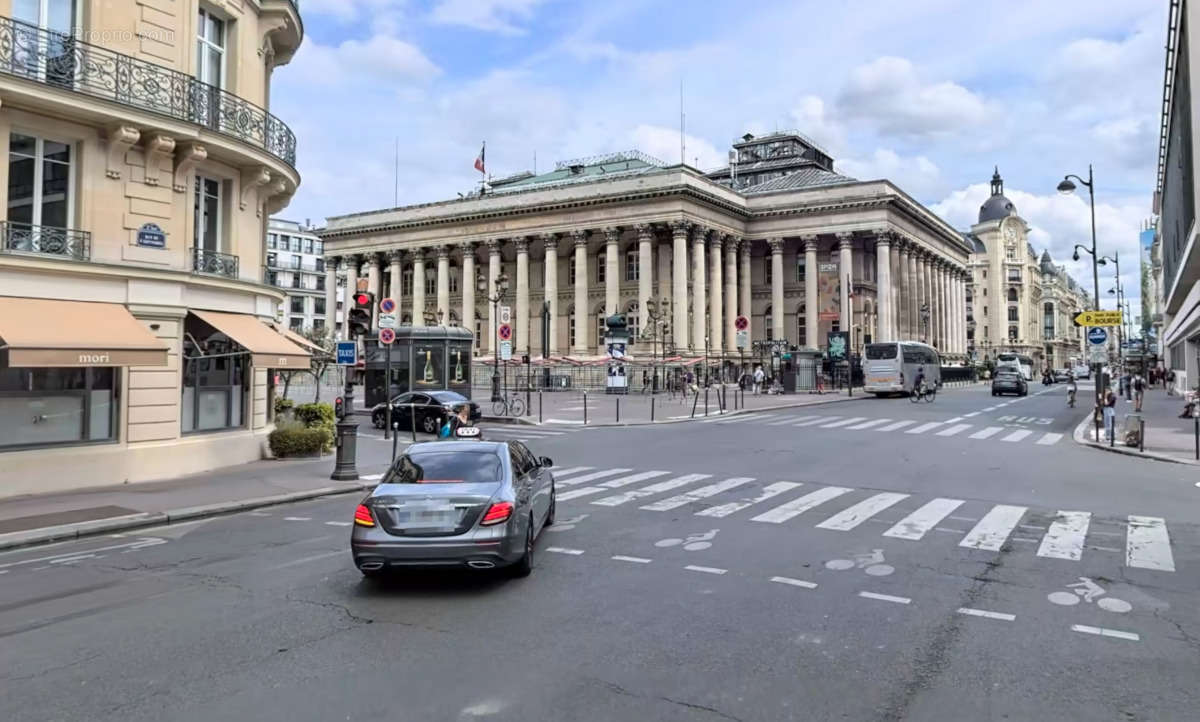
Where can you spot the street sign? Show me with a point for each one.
(387, 305)
(743, 339)
(506, 314)
(1097, 336)
(742, 323)
(386, 336)
(347, 353)
(506, 350)
(504, 333)
(1099, 354)
(389, 321)
(1098, 318)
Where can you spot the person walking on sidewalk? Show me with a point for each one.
(1139, 392)
(758, 379)
(1110, 413)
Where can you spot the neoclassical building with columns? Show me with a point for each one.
(777, 236)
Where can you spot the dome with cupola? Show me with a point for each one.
(997, 206)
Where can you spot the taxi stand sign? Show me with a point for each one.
(347, 353)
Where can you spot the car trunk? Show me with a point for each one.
(430, 509)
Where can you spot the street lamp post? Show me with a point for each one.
(501, 289)
(655, 311)
(1119, 291)
(1066, 187)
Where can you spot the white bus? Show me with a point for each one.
(1024, 364)
(891, 368)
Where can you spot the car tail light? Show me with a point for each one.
(901, 378)
(362, 516)
(496, 513)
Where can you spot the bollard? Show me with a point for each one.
(1142, 435)
(652, 409)
(585, 407)
(539, 407)
(706, 401)
(412, 421)
(395, 438)
(695, 401)
(618, 398)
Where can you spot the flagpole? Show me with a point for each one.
(396, 191)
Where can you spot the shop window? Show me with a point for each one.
(57, 406)
(215, 373)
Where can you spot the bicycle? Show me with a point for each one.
(510, 405)
(925, 392)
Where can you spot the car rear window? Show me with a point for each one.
(459, 467)
(449, 397)
(881, 351)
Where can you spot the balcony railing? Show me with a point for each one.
(45, 240)
(212, 262)
(63, 61)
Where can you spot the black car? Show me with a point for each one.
(430, 408)
(1009, 382)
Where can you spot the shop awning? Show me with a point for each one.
(40, 332)
(302, 342)
(268, 348)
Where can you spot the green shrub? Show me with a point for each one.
(283, 405)
(293, 439)
(317, 416)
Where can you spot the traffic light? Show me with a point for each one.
(339, 408)
(360, 314)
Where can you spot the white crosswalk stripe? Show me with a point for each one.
(609, 485)
(590, 477)
(770, 490)
(924, 427)
(1049, 439)
(917, 524)
(560, 473)
(987, 433)
(869, 424)
(847, 519)
(993, 529)
(1017, 435)
(1147, 544)
(788, 420)
(817, 420)
(1065, 537)
(843, 422)
(896, 426)
(668, 485)
(956, 429)
(703, 492)
(793, 508)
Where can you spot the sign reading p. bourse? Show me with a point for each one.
(150, 235)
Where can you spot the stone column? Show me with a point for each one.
(350, 264)
(927, 288)
(418, 296)
(550, 285)
(896, 272)
(715, 300)
(731, 293)
(331, 266)
(395, 278)
(918, 261)
(467, 285)
(521, 312)
(662, 277)
(494, 268)
(883, 280)
(645, 235)
(961, 296)
(680, 230)
(812, 301)
(846, 271)
(745, 308)
(944, 299)
(699, 298)
(778, 312)
(373, 280)
(582, 316)
(443, 285)
(612, 271)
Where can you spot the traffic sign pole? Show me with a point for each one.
(387, 391)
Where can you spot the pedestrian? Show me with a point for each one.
(758, 379)
(1169, 381)
(1110, 413)
(1139, 391)
(645, 381)
(691, 383)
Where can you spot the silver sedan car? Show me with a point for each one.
(474, 504)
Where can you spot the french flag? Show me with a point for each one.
(479, 160)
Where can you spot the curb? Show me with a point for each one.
(67, 532)
(1080, 437)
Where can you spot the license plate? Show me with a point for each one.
(881, 380)
(425, 515)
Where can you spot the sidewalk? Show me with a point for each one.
(1168, 437)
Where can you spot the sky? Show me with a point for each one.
(929, 94)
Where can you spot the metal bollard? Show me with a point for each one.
(585, 407)
(652, 409)
(395, 438)
(618, 409)
(539, 407)
(412, 420)
(1142, 435)
(706, 401)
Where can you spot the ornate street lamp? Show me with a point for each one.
(656, 311)
(501, 290)
(1066, 187)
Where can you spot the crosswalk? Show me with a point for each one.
(523, 432)
(945, 429)
(1065, 535)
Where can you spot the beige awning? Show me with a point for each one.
(41, 332)
(302, 342)
(268, 348)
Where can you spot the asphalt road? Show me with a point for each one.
(954, 538)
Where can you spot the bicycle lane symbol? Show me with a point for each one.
(1088, 591)
(693, 543)
(871, 563)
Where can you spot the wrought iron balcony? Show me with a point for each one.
(62, 61)
(45, 240)
(212, 262)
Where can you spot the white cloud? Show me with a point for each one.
(354, 62)
(813, 118)
(889, 94)
(1133, 141)
(663, 143)
(917, 175)
(497, 16)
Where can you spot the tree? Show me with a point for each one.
(322, 338)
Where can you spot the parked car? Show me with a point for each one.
(1009, 381)
(1062, 375)
(430, 409)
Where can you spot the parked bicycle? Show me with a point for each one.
(510, 405)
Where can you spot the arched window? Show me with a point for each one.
(1012, 295)
(768, 323)
(632, 264)
(801, 325)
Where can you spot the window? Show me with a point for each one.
(453, 282)
(318, 307)
(478, 328)
(430, 284)
(571, 271)
(406, 282)
(271, 241)
(40, 181)
(601, 329)
(633, 321)
(318, 324)
(319, 248)
(215, 369)
(308, 245)
(295, 244)
(296, 282)
(296, 323)
(800, 268)
(1012, 295)
(296, 262)
(768, 323)
(985, 273)
(632, 264)
(320, 283)
(208, 214)
(1012, 333)
(1013, 314)
(319, 266)
(1014, 274)
(1010, 252)
(297, 304)
(571, 328)
(45, 406)
(601, 265)
(210, 49)
(767, 277)
(801, 326)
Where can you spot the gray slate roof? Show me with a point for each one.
(804, 178)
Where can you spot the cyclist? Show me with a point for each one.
(1072, 388)
(919, 382)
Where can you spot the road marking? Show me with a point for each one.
(1098, 532)
(924, 427)
(869, 424)
(897, 425)
(917, 524)
(703, 492)
(986, 614)
(885, 597)
(313, 558)
(817, 420)
(635, 560)
(1147, 544)
(590, 477)
(571, 422)
(140, 543)
(956, 429)
(847, 519)
(789, 420)
(991, 408)
(297, 518)
(794, 582)
(1066, 536)
(72, 559)
(955, 420)
(987, 433)
(1034, 527)
(971, 415)
(1101, 631)
(1049, 439)
(258, 513)
(669, 484)
(1017, 435)
(706, 570)
(572, 470)
(1098, 548)
(782, 513)
(739, 419)
(994, 528)
(1025, 540)
(963, 518)
(844, 422)
(577, 493)
(632, 479)
(768, 491)
(338, 523)
(563, 550)
(371, 477)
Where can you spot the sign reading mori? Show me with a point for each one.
(1098, 318)
(347, 353)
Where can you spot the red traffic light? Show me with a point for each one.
(362, 300)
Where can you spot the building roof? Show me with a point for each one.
(974, 242)
(630, 162)
(803, 178)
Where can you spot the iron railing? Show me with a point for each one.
(212, 262)
(45, 240)
(63, 61)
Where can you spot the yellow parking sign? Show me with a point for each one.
(1098, 318)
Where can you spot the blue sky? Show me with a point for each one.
(929, 94)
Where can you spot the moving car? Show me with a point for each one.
(1083, 371)
(1062, 375)
(473, 504)
(430, 409)
(1009, 381)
